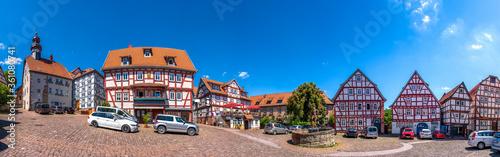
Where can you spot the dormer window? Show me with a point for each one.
(147, 53)
(170, 60)
(217, 88)
(125, 60)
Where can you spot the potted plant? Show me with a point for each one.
(146, 118)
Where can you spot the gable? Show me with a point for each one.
(416, 93)
(358, 81)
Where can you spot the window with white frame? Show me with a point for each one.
(358, 78)
(375, 107)
(368, 107)
(359, 91)
(118, 96)
(458, 102)
(125, 76)
(125, 96)
(417, 112)
(179, 77)
(342, 122)
(172, 95)
(455, 115)
(360, 122)
(359, 107)
(367, 92)
(125, 61)
(147, 52)
(425, 100)
(351, 107)
(424, 112)
(179, 95)
(118, 76)
(408, 112)
(342, 107)
(462, 116)
(351, 122)
(483, 124)
(413, 87)
(158, 76)
(350, 91)
(140, 75)
(400, 111)
(433, 111)
(171, 77)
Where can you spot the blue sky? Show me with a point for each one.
(273, 46)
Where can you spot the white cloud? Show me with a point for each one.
(243, 75)
(488, 36)
(205, 76)
(453, 29)
(2, 46)
(13, 60)
(224, 73)
(476, 47)
(426, 19)
(445, 88)
(422, 13)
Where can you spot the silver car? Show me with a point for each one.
(275, 128)
(481, 139)
(294, 127)
(172, 123)
(495, 146)
(370, 131)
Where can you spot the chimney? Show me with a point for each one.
(130, 46)
(243, 88)
(51, 58)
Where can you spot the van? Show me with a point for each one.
(370, 131)
(118, 111)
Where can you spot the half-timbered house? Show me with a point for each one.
(415, 107)
(455, 110)
(150, 80)
(485, 107)
(358, 103)
(224, 102)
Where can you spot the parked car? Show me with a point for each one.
(275, 128)
(57, 109)
(481, 139)
(425, 133)
(69, 110)
(42, 108)
(351, 132)
(172, 123)
(408, 133)
(118, 111)
(306, 127)
(438, 134)
(370, 131)
(495, 146)
(112, 121)
(294, 127)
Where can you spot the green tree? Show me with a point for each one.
(4, 91)
(331, 119)
(387, 116)
(105, 103)
(6, 74)
(303, 103)
(264, 120)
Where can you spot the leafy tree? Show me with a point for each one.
(387, 116)
(105, 103)
(264, 120)
(331, 119)
(6, 74)
(303, 103)
(4, 91)
(146, 118)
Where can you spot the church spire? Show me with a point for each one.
(36, 48)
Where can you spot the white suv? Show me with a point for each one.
(481, 139)
(425, 133)
(112, 121)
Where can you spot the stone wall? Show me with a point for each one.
(316, 139)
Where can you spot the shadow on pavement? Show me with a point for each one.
(3, 132)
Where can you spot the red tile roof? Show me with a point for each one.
(207, 83)
(157, 58)
(448, 95)
(81, 73)
(47, 66)
(263, 99)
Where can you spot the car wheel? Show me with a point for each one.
(375, 137)
(125, 128)
(94, 123)
(191, 132)
(480, 145)
(286, 132)
(162, 129)
(274, 132)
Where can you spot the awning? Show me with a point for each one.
(248, 117)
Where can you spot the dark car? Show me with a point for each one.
(69, 110)
(57, 109)
(306, 127)
(42, 108)
(351, 132)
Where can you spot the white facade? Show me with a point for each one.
(89, 90)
